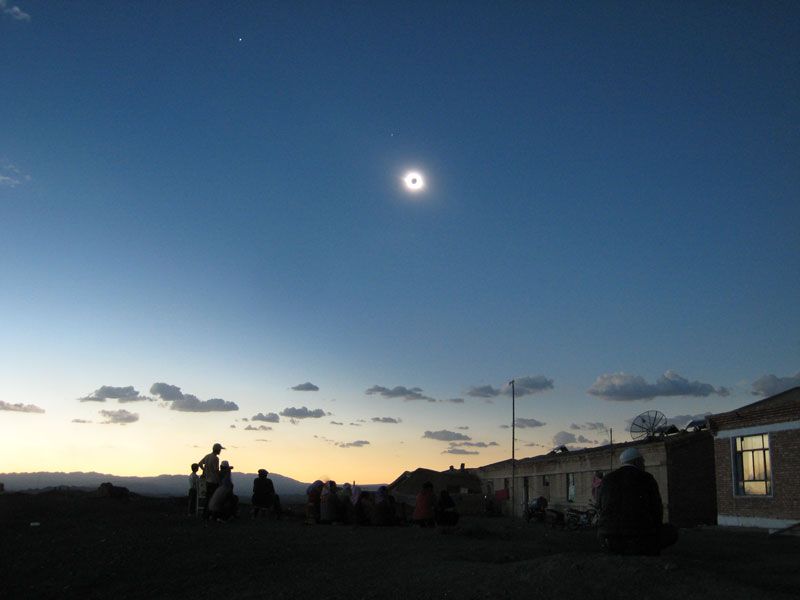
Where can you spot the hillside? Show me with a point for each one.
(159, 485)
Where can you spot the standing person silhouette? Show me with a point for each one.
(210, 465)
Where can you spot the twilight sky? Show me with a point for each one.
(204, 234)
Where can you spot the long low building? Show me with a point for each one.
(683, 465)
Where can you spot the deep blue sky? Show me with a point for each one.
(612, 187)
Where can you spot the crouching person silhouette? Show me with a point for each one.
(631, 510)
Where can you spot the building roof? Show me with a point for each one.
(668, 440)
(410, 482)
(775, 409)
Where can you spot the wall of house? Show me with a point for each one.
(583, 465)
(780, 509)
(692, 497)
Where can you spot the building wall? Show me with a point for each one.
(583, 465)
(783, 506)
(692, 497)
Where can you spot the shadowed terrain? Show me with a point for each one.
(92, 547)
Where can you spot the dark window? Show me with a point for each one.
(505, 483)
(570, 487)
(545, 480)
(753, 467)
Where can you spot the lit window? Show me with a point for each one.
(753, 469)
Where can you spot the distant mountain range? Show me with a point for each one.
(160, 485)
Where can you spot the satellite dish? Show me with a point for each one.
(647, 424)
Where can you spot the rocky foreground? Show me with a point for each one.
(86, 546)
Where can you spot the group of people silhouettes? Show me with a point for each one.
(327, 503)
(628, 502)
(211, 494)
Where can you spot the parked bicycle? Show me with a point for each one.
(580, 519)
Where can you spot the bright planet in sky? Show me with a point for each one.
(414, 181)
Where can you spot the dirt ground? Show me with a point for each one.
(88, 547)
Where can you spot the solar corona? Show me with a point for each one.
(414, 181)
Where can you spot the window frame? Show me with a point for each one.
(738, 452)
(574, 487)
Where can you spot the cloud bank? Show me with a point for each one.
(459, 451)
(528, 423)
(267, 418)
(302, 413)
(523, 386)
(769, 385)
(305, 387)
(356, 444)
(444, 435)
(589, 426)
(188, 402)
(191, 403)
(15, 12)
(110, 392)
(623, 387)
(385, 420)
(18, 407)
(399, 391)
(118, 417)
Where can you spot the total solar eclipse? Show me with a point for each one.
(414, 181)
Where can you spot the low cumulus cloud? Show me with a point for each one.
(355, 424)
(528, 423)
(463, 427)
(80, 421)
(385, 420)
(292, 412)
(262, 440)
(769, 385)
(566, 438)
(562, 438)
(531, 384)
(483, 391)
(19, 407)
(336, 423)
(589, 426)
(189, 403)
(356, 444)
(459, 451)
(118, 417)
(455, 400)
(473, 444)
(523, 386)
(268, 418)
(399, 391)
(620, 386)
(257, 428)
(305, 387)
(15, 12)
(443, 435)
(165, 391)
(110, 392)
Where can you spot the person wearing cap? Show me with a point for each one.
(210, 465)
(631, 511)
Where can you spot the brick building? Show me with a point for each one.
(757, 456)
(682, 464)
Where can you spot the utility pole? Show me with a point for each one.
(513, 449)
